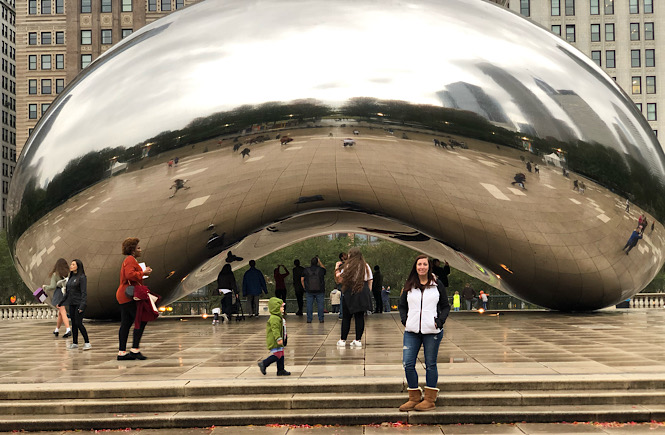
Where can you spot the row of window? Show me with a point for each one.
(594, 7)
(8, 67)
(32, 110)
(46, 38)
(106, 36)
(7, 171)
(635, 58)
(8, 118)
(8, 50)
(9, 136)
(46, 7)
(46, 63)
(46, 86)
(8, 153)
(609, 32)
(8, 15)
(9, 102)
(9, 85)
(650, 84)
(8, 33)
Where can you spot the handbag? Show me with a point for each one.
(129, 291)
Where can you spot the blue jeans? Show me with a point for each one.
(412, 343)
(386, 303)
(319, 305)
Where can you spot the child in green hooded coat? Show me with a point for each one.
(275, 337)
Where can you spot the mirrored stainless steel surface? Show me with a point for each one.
(404, 120)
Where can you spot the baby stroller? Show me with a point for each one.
(236, 307)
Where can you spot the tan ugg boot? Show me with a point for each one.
(415, 397)
(429, 401)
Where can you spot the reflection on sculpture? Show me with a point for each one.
(439, 136)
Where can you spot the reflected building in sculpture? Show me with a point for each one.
(267, 161)
(8, 56)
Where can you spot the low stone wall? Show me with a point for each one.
(26, 312)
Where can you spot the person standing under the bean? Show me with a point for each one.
(77, 294)
(356, 296)
(423, 309)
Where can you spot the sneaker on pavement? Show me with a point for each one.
(341, 343)
(262, 367)
(283, 373)
(73, 346)
(87, 346)
(356, 343)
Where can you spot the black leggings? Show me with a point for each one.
(271, 359)
(77, 325)
(127, 316)
(346, 322)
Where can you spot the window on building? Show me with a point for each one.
(46, 86)
(595, 32)
(635, 59)
(570, 8)
(639, 106)
(59, 6)
(634, 6)
(636, 85)
(651, 84)
(45, 107)
(59, 37)
(152, 5)
(106, 6)
(46, 61)
(594, 7)
(46, 7)
(59, 85)
(609, 32)
(166, 5)
(595, 56)
(650, 58)
(126, 5)
(46, 38)
(651, 112)
(32, 87)
(59, 61)
(610, 61)
(648, 6)
(570, 32)
(32, 7)
(86, 59)
(556, 8)
(648, 31)
(556, 29)
(32, 111)
(634, 31)
(86, 37)
(86, 6)
(126, 32)
(32, 38)
(609, 7)
(107, 39)
(32, 61)
(179, 4)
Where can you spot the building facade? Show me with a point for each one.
(8, 56)
(621, 36)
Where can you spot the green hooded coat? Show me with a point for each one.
(275, 329)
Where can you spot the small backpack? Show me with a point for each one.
(312, 282)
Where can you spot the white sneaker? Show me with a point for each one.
(341, 343)
(87, 346)
(356, 343)
(73, 346)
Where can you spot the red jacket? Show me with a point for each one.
(146, 310)
(129, 272)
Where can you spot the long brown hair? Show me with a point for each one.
(413, 281)
(354, 271)
(61, 267)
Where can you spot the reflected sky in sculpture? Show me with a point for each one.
(426, 69)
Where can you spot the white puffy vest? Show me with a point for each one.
(422, 310)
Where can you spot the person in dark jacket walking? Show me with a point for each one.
(441, 272)
(227, 287)
(469, 296)
(280, 285)
(314, 284)
(377, 284)
(298, 288)
(423, 309)
(77, 293)
(633, 239)
(253, 284)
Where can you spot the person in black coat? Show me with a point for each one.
(77, 294)
(441, 272)
(226, 284)
(377, 283)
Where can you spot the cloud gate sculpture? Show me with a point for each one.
(405, 120)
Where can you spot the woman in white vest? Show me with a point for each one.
(423, 308)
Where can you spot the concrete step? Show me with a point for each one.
(356, 416)
(341, 401)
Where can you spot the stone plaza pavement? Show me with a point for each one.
(616, 344)
(611, 342)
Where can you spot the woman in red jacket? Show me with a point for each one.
(130, 274)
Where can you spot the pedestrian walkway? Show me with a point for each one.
(611, 342)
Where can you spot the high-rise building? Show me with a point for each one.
(8, 57)
(58, 38)
(620, 36)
